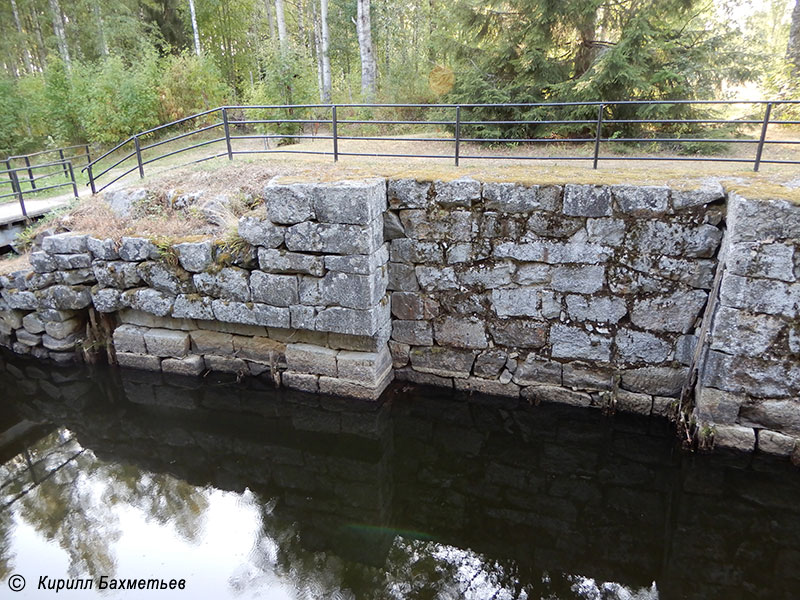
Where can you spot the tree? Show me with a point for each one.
(194, 29)
(793, 47)
(58, 29)
(367, 52)
(325, 60)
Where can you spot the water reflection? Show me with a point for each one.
(251, 492)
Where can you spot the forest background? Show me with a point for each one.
(98, 71)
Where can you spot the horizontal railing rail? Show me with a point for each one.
(17, 189)
(77, 154)
(596, 127)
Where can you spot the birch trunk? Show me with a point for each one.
(368, 70)
(26, 55)
(58, 29)
(100, 28)
(793, 47)
(271, 21)
(194, 28)
(281, 18)
(325, 48)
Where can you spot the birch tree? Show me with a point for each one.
(280, 17)
(26, 56)
(325, 60)
(367, 52)
(98, 17)
(194, 28)
(58, 29)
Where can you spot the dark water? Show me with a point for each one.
(247, 492)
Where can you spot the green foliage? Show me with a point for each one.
(10, 114)
(189, 84)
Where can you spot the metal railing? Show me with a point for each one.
(62, 167)
(593, 132)
(78, 154)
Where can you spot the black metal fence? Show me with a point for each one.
(133, 155)
(61, 167)
(25, 164)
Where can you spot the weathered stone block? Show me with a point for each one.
(307, 358)
(63, 345)
(260, 232)
(413, 251)
(190, 366)
(548, 224)
(359, 264)
(734, 437)
(130, 339)
(673, 239)
(65, 297)
(364, 368)
(402, 277)
(641, 200)
(260, 349)
(300, 381)
(489, 363)
(39, 281)
(350, 290)
(414, 333)
(275, 290)
(61, 329)
(519, 333)
(760, 295)
(673, 312)
(409, 374)
(709, 192)
(583, 279)
(134, 249)
(303, 317)
(42, 262)
(354, 321)
(536, 370)
(516, 198)
(484, 276)
(554, 252)
(165, 342)
(412, 306)
(777, 444)
(193, 306)
(444, 362)
(778, 415)
(458, 192)
(149, 301)
(280, 261)
(399, 354)
(33, 323)
(211, 342)
(27, 338)
(74, 277)
(143, 362)
(352, 202)
(116, 274)
(599, 309)
(639, 346)
(573, 342)
(226, 364)
(51, 314)
(630, 402)
(608, 232)
(358, 343)
(336, 387)
(771, 261)
(19, 300)
(251, 313)
(195, 257)
(65, 243)
(72, 261)
(392, 227)
(579, 375)
(550, 393)
(717, 406)
(461, 332)
(159, 276)
(659, 381)
(522, 301)
(761, 220)
(436, 278)
(335, 238)
(587, 201)
(288, 204)
(408, 193)
(105, 249)
(230, 283)
(530, 274)
(738, 332)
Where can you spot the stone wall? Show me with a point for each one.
(589, 295)
(750, 392)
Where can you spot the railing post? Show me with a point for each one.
(764, 127)
(63, 164)
(226, 127)
(72, 178)
(30, 172)
(334, 123)
(458, 132)
(597, 135)
(138, 156)
(91, 178)
(15, 187)
(88, 156)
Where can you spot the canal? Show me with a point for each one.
(240, 490)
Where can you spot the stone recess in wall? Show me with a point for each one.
(580, 294)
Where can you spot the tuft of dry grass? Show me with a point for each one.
(13, 262)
